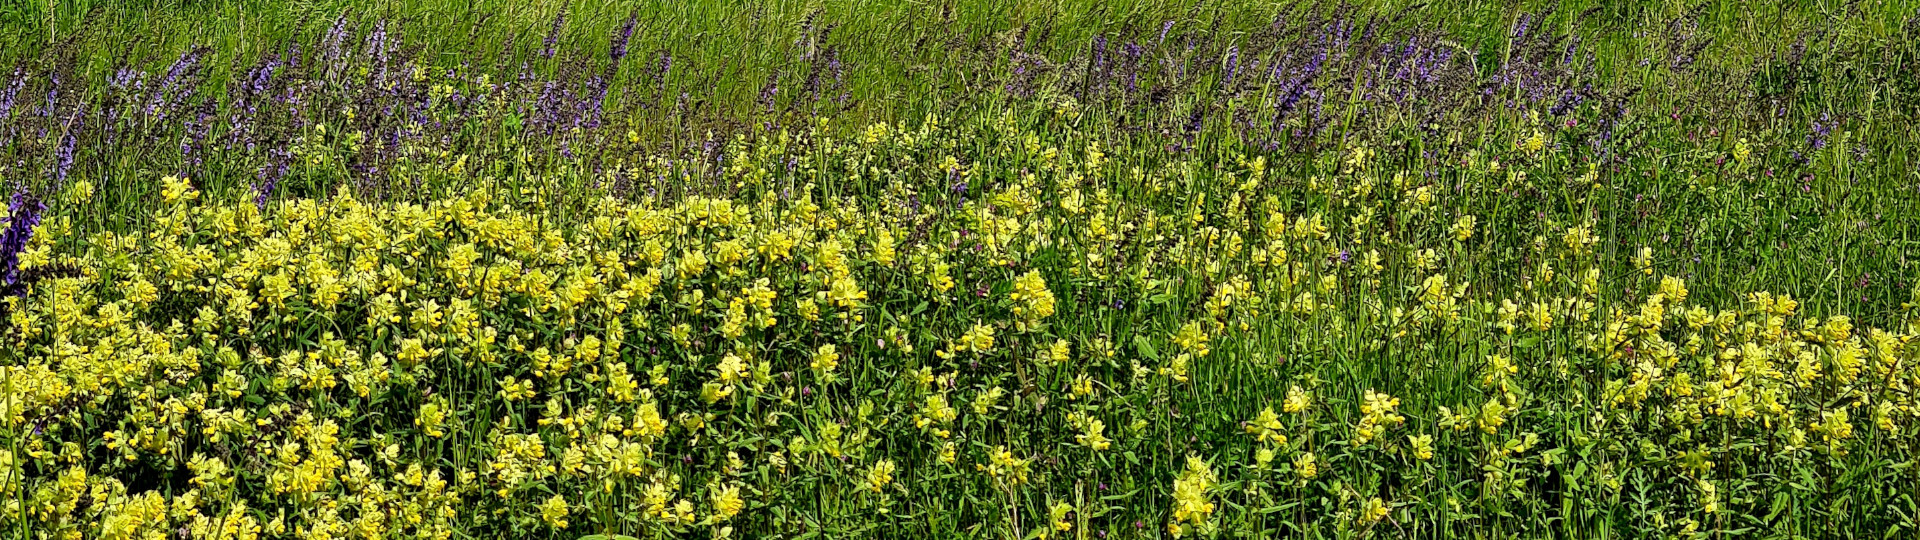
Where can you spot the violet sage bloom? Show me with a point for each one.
(23, 214)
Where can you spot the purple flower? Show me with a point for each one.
(165, 94)
(553, 35)
(330, 46)
(270, 176)
(666, 65)
(377, 48)
(197, 129)
(13, 90)
(771, 91)
(23, 214)
(63, 159)
(620, 38)
(123, 79)
(1233, 61)
(1099, 52)
(1132, 51)
(1821, 129)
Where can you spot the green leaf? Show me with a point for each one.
(1145, 347)
(608, 537)
(1779, 505)
(1272, 509)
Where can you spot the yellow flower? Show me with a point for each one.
(1031, 300)
(1297, 400)
(1304, 466)
(1082, 386)
(1262, 457)
(430, 418)
(80, 191)
(1005, 466)
(1463, 228)
(1372, 511)
(1266, 427)
(1377, 414)
(554, 512)
(727, 503)
(1093, 434)
(1061, 512)
(1192, 501)
(713, 392)
(825, 359)
(880, 475)
(732, 369)
(1060, 352)
(1422, 446)
(1673, 288)
(174, 188)
(512, 390)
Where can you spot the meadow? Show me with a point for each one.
(839, 269)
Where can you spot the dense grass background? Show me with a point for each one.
(1826, 94)
(1766, 72)
(905, 49)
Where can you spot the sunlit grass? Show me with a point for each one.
(975, 302)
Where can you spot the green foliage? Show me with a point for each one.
(957, 313)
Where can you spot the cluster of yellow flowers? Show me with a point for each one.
(1192, 498)
(505, 362)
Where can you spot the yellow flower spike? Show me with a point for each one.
(1372, 511)
(1305, 466)
(880, 475)
(554, 512)
(1463, 228)
(1266, 427)
(1092, 435)
(1192, 492)
(1060, 514)
(176, 189)
(825, 360)
(1297, 400)
(1422, 446)
(726, 503)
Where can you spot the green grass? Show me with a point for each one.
(1836, 232)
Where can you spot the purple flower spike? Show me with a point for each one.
(620, 39)
(23, 214)
(63, 160)
(1233, 61)
(18, 81)
(553, 36)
